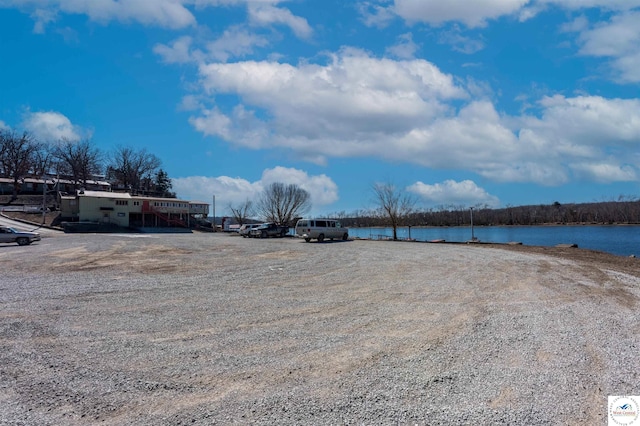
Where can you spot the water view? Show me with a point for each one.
(622, 240)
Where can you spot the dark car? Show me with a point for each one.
(269, 230)
(11, 235)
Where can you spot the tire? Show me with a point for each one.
(345, 237)
(23, 241)
(320, 238)
(263, 234)
(307, 239)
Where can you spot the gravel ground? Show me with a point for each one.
(217, 329)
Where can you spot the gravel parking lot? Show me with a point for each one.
(218, 329)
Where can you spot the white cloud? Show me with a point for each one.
(226, 189)
(452, 192)
(235, 42)
(172, 14)
(589, 121)
(264, 14)
(322, 189)
(178, 52)
(618, 39)
(471, 13)
(51, 127)
(164, 13)
(374, 15)
(234, 191)
(327, 109)
(4, 126)
(459, 42)
(190, 103)
(405, 48)
(477, 13)
(589, 4)
(604, 172)
(403, 111)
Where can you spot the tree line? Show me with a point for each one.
(395, 208)
(624, 211)
(22, 155)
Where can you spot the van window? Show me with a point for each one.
(303, 223)
(321, 223)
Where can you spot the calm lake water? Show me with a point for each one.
(622, 240)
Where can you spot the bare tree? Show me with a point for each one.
(80, 160)
(242, 211)
(282, 203)
(16, 157)
(394, 203)
(42, 160)
(129, 167)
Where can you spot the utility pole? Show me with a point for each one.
(473, 238)
(215, 227)
(44, 198)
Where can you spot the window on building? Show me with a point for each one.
(122, 202)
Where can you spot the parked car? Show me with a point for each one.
(11, 235)
(269, 230)
(246, 229)
(321, 229)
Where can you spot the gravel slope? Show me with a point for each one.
(217, 329)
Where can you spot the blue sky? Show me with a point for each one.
(496, 102)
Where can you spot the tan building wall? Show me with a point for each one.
(125, 210)
(104, 207)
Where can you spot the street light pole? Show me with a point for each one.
(215, 227)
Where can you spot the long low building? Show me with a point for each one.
(126, 210)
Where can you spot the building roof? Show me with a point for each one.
(127, 196)
(105, 194)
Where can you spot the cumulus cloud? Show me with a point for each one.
(477, 13)
(177, 52)
(228, 190)
(409, 111)
(459, 42)
(604, 172)
(405, 48)
(588, 4)
(235, 42)
(171, 14)
(452, 192)
(318, 109)
(471, 13)
(617, 39)
(375, 15)
(322, 189)
(164, 13)
(264, 14)
(52, 126)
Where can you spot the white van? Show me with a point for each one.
(320, 229)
